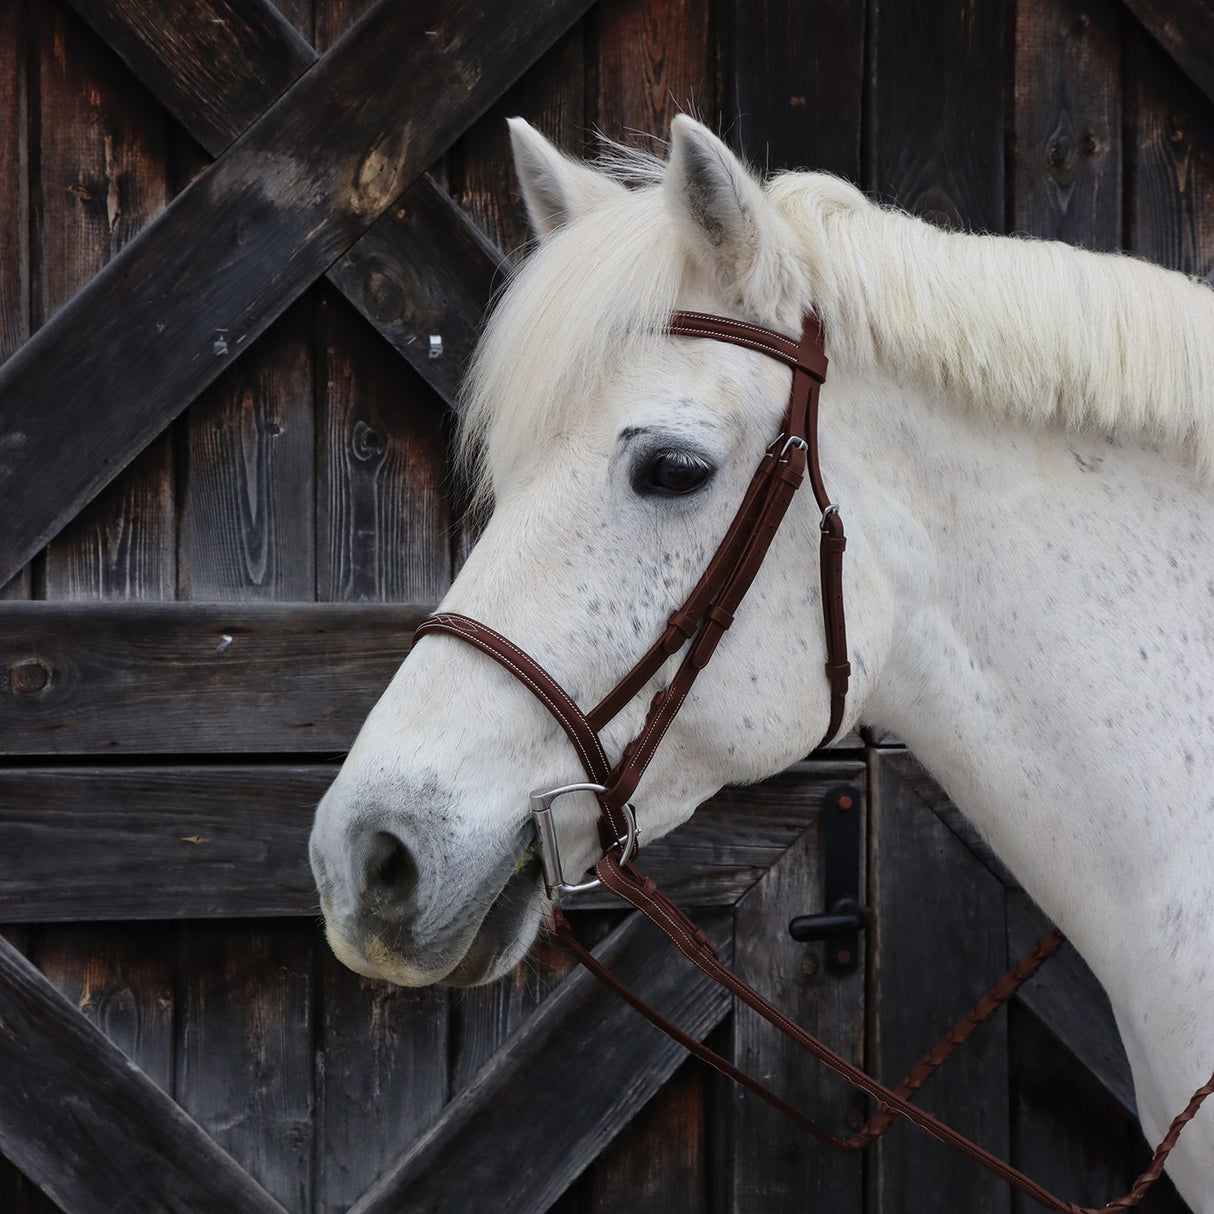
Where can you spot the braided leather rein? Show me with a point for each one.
(698, 625)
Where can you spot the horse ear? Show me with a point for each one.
(731, 224)
(556, 188)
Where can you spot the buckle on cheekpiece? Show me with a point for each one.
(549, 848)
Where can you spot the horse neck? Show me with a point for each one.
(1046, 589)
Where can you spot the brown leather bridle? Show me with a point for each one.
(698, 626)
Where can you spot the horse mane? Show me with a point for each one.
(1034, 332)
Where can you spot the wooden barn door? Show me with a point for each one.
(245, 250)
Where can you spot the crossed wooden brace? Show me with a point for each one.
(320, 169)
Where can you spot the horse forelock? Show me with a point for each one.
(592, 298)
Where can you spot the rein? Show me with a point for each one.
(698, 625)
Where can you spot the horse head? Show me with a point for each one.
(614, 456)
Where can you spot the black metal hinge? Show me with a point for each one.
(844, 918)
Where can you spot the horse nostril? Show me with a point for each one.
(389, 869)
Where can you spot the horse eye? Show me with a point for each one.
(672, 472)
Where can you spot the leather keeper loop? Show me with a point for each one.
(684, 622)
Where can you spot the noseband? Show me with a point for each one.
(706, 613)
(699, 625)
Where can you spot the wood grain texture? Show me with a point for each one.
(940, 942)
(246, 530)
(1185, 29)
(484, 1018)
(660, 1160)
(382, 1077)
(797, 83)
(1067, 137)
(122, 982)
(150, 842)
(88, 1126)
(552, 97)
(421, 269)
(940, 77)
(14, 179)
(649, 60)
(162, 679)
(424, 270)
(216, 64)
(14, 207)
(18, 1194)
(382, 513)
(1171, 201)
(101, 181)
(244, 1059)
(287, 199)
(1063, 1124)
(775, 1164)
(141, 843)
(582, 1039)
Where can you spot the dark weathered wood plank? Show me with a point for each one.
(14, 207)
(101, 180)
(583, 1040)
(216, 64)
(121, 981)
(142, 843)
(246, 526)
(424, 270)
(18, 1193)
(382, 1081)
(1170, 216)
(483, 1018)
(774, 1164)
(552, 97)
(421, 269)
(660, 1160)
(940, 942)
(245, 1060)
(797, 83)
(1069, 1135)
(1068, 1000)
(88, 1126)
(86, 843)
(160, 679)
(649, 60)
(1067, 180)
(14, 177)
(1185, 29)
(940, 76)
(383, 515)
(288, 198)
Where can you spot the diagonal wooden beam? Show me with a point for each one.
(423, 268)
(1068, 1000)
(87, 1126)
(1185, 29)
(244, 240)
(560, 1089)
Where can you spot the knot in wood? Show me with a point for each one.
(30, 677)
(379, 177)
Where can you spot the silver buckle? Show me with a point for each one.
(550, 852)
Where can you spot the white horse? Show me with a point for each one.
(1020, 436)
